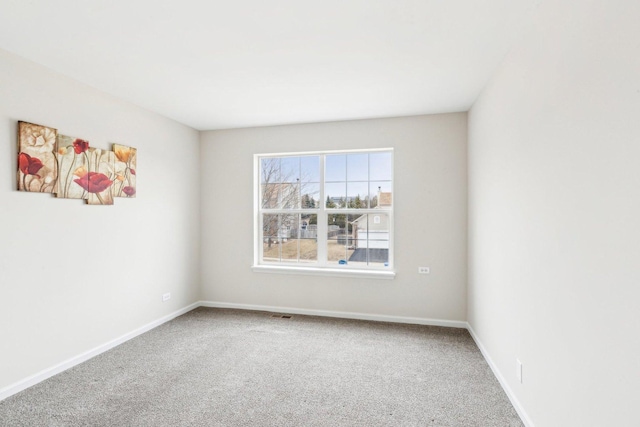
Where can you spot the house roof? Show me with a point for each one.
(384, 199)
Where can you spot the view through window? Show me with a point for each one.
(332, 209)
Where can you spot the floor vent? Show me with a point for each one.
(282, 316)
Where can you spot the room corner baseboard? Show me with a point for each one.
(339, 314)
(505, 386)
(76, 360)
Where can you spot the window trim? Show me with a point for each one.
(325, 271)
(320, 267)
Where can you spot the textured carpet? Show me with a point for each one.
(216, 367)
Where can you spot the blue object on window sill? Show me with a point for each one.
(342, 262)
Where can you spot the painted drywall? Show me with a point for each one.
(73, 276)
(554, 211)
(430, 218)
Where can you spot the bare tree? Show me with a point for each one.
(283, 188)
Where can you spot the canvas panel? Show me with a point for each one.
(37, 166)
(126, 159)
(73, 163)
(99, 182)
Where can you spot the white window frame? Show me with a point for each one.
(322, 267)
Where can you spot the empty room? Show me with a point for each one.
(337, 213)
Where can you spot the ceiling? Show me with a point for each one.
(216, 65)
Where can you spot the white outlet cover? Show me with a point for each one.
(519, 370)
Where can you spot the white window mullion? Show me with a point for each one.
(298, 221)
(322, 220)
(391, 236)
(257, 215)
(260, 248)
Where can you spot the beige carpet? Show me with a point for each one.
(216, 367)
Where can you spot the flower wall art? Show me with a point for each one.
(126, 164)
(69, 168)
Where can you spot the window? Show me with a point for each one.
(328, 212)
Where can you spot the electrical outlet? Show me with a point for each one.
(166, 297)
(424, 270)
(519, 370)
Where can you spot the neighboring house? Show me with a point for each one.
(372, 230)
(284, 233)
(384, 198)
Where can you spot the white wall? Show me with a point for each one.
(73, 276)
(430, 217)
(554, 215)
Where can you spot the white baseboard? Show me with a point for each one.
(505, 386)
(76, 360)
(339, 314)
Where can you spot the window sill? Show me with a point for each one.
(316, 271)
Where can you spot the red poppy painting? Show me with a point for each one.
(129, 191)
(72, 169)
(29, 165)
(37, 166)
(80, 146)
(126, 164)
(94, 182)
(73, 160)
(101, 178)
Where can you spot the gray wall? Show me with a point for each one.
(430, 217)
(554, 211)
(73, 276)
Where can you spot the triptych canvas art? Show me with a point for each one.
(69, 168)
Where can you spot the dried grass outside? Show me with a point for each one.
(308, 251)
